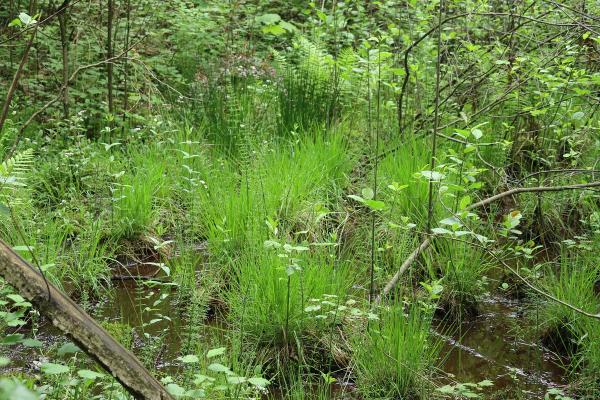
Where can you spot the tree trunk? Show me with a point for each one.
(13, 86)
(109, 54)
(64, 41)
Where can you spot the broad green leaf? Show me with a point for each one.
(433, 175)
(452, 221)
(32, 343)
(189, 359)
(4, 361)
(54, 369)
(376, 205)
(25, 18)
(16, 298)
(268, 19)
(68, 348)
(12, 339)
(215, 352)
(441, 231)
(216, 367)
(357, 198)
(465, 201)
(260, 382)
(367, 193)
(175, 389)
(275, 30)
(89, 374)
(235, 380)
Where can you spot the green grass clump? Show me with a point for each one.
(461, 269)
(286, 310)
(280, 182)
(395, 357)
(398, 169)
(566, 330)
(134, 211)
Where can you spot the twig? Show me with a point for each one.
(60, 95)
(15, 81)
(427, 242)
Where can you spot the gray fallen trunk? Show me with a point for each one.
(71, 319)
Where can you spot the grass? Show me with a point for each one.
(461, 269)
(288, 312)
(399, 168)
(259, 171)
(574, 282)
(139, 190)
(395, 357)
(275, 186)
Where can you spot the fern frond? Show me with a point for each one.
(18, 165)
(13, 173)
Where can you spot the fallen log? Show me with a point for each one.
(72, 320)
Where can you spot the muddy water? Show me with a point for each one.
(492, 347)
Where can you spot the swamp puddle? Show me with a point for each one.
(491, 346)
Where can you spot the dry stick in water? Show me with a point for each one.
(427, 242)
(66, 315)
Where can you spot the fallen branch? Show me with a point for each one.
(66, 315)
(427, 242)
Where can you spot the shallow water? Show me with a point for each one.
(492, 347)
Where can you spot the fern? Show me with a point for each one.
(13, 173)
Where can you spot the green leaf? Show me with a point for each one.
(464, 202)
(54, 369)
(15, 22)
(89, 374)
(275, 30)
(368, 193)
(16, 298)
(260, 382)
(12, 339)
(215, 352)
(268, 19)
(452, 221)
(189, 359)
(4, 361)
(376, 205)
(4, 210)
(578, 115)
(357, 198)
(32, 343)
(175, 389)
(235, 380)
(441, 231)
(477, 133)
(216, 367)
(68, 348)
(433, 175)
